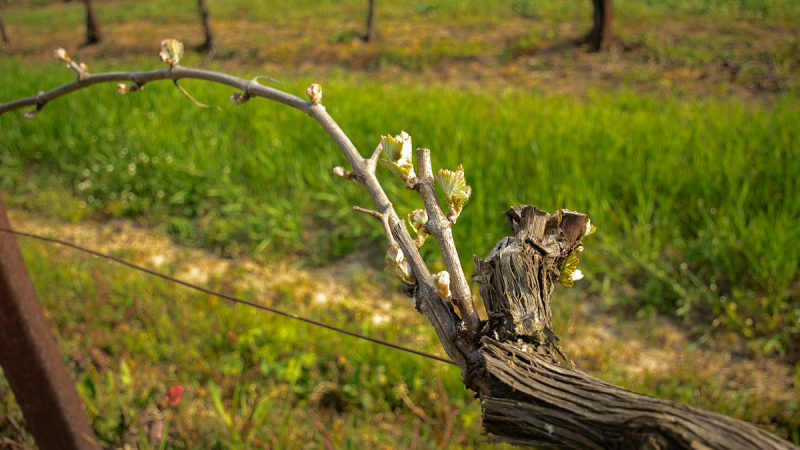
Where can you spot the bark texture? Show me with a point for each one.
(528, 395)
(553, 405)
(372, 31)
(205, 17)
(93, 34)
(600, 37)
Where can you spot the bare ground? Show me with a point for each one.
(754, 61)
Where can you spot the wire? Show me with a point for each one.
(229, 297)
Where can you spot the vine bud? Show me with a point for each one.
(314, 93)
(417, 219)
(441, 281)
(397, 266)
(62, 55)
(239, 98)
(588, 229)
(342, 173)
(123, 88)
(171, 51)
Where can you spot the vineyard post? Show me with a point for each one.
(31, 361)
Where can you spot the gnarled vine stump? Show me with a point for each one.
(530, 398)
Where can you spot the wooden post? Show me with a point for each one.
(31, 361)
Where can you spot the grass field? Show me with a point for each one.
(692, 183)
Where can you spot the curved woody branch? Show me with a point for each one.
(363, 169)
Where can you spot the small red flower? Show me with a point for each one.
(174, 394)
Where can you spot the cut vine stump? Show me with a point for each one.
(530, 398)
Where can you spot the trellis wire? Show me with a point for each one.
(226, 296)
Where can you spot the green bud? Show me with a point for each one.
(417, 219)
(441, 281)
(397, 266)
(569, 271)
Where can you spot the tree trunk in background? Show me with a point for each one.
(3, 25)
(600, 38)
(93, 34)
(372, 32)
(206, 18)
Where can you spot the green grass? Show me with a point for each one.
(697, 201)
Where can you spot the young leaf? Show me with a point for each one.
(398, 151)
(569, 271)
(171, 51)
(455, 188)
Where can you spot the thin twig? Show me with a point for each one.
(387, 229)
(261, 77)
(202, 105)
